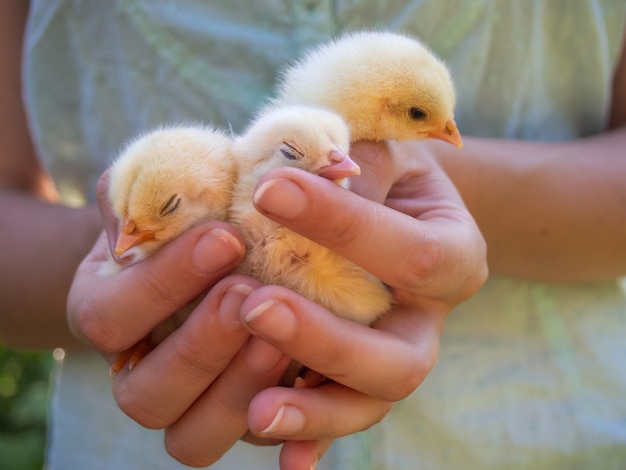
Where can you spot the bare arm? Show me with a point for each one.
(41, 242)
(550, 211)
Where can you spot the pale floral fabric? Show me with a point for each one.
(531, 376)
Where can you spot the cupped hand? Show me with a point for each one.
(209, 382)
(422, 243)
(202, 365)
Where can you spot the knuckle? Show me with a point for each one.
(138, 406)
(474, 283)
(88, 322)
(158, 286)
(344, 230)
(408, 385)
(383, 410)
(180, 449)
(404, 386)
(442, 266)
(424, 261)
(190, 354)
(419, 364)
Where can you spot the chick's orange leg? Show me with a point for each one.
(131, 356)
(140, 351)
(120, 361)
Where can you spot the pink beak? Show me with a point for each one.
(341, 166)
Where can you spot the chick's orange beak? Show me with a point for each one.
(449, 134)
(130, 236)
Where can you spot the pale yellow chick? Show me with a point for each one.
(162, 184)
(385, 85)
(167, 181)
(315, 140)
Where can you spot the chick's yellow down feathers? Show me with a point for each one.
(315, 140)
(171, 179)
(162, 184)
(318, 141)
(167, 181)
(385, 85)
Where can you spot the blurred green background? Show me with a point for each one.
(24, 394)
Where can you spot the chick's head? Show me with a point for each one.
(386, 86)
(310, 138)
(166, 182)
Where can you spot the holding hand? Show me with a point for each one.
(432, 261)
(208, 382)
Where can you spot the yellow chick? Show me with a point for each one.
(315, 140)
(167, 181)
(318, 141)
(162, 184)
(385, 85)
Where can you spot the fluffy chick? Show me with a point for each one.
(167, 181)
(385, 85)
(162, 184)
(315, 140)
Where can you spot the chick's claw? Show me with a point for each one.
(300, 376)
(310, 379)
(131, 356)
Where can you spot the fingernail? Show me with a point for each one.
(288, 420)
(280, 197)
(314, 463)
(273, 319)
(215, 250)
(260, 356)
(228, 311)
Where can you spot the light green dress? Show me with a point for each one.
(530, 375)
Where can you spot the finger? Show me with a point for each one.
(113, 313)
(303, 455)
(434, 254)
(388, 361)
(164, 384)
(338, 219)
(378, 170)
(322, 413)
(346, 223)
(218, 419)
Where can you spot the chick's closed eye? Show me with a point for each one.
(171, 205)
(290, 152)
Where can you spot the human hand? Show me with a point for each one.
(401, 348)
(112, 313)
(204, 388)
(429, 252)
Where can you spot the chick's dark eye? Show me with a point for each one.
(170, 206)
(287, 154)
(416, 114)
(290, 152)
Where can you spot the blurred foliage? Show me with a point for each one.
(24, 393)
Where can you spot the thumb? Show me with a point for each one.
(114, 312)
(366, 232)
(378, 170)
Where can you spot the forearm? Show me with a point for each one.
(549, 211)
(41, 245)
